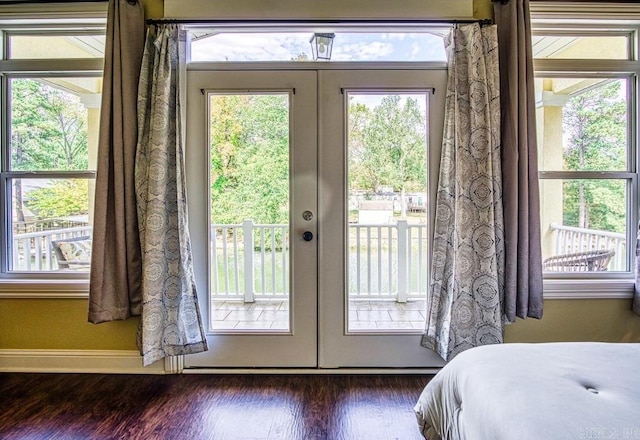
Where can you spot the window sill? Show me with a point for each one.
(588, 289)
(553, 289)
(44, 289)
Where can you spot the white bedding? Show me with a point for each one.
(548, 391)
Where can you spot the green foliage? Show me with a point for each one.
(249, 153)
(387, 145)
(60, 199)
(48, 130)
(250, 159)
(595, 122)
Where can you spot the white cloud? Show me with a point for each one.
(361, 51)
(394, 36)
(248, 47)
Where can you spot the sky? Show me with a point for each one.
(353, 46)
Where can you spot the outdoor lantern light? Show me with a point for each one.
(321, 45)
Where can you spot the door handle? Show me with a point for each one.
(307, 235)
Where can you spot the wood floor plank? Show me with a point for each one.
(212, 407)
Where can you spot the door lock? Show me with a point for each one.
(307, 236)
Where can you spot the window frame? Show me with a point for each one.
(578, 285)
(40, 283)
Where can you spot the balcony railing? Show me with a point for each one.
(385, 261)
(33, 251)
(388, 261)
(249, 260)
(570, 240)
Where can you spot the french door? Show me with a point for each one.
(307, 259)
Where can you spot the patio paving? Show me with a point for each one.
(364, 315)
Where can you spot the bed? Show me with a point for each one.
(549, 391)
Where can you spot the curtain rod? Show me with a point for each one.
(482, 22)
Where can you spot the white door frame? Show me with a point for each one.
(317, 323)
(296, 348)
(338, 348)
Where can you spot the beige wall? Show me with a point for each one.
(62, 324)
(482, 9)
(603, 320)
(153, 8)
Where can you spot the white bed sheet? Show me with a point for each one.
(546, 391)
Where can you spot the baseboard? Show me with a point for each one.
(76, 361)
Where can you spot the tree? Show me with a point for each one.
(249, 158)
(249, 153)
(595, 122)
(61, 199)
(389, 146)
(48, 132)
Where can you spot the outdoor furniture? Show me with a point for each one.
(596, 260)
(73, 253)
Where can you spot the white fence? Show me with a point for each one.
(385, 261)
(570, 240)
(33, 251)
(388, 261)
(249, 260)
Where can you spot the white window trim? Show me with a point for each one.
(584, 13)
(588, 289)
(44, 289)
(21, 19)
(15, 14)
(618, 18)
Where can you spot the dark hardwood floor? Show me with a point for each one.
(227, 407)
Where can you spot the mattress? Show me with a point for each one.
(535, 391)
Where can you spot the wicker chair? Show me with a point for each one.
(73, 253)
(596, 260)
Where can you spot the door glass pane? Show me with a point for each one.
(387, 204)
(249, 193)
(584, 224)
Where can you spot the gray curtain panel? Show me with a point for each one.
(115, 288)
(171, 323)
(521, 197)
(467, 269)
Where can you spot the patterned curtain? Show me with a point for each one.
(171, 323)
(467, 269)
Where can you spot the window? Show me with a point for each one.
(51, 81)
(585, 87)
(294, 46)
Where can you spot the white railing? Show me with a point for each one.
(388, 261)
(33, 251)
(238, 273)
(570, 240)
(385, 261)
